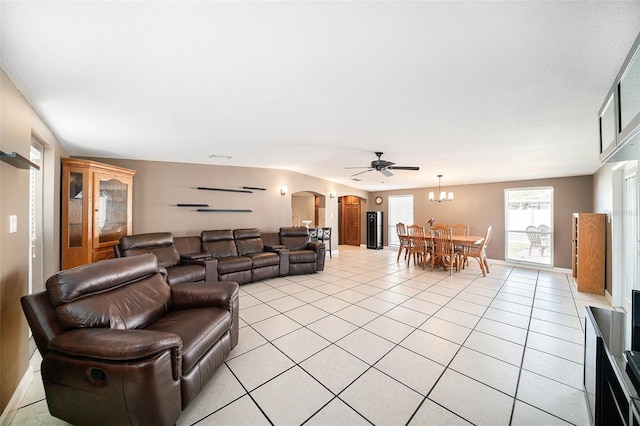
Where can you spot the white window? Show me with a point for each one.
(400, 210)
(529, 225)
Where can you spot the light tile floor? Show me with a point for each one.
(373, 341)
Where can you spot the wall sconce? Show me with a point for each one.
(332, 194)
(444, 196)
(283, 190)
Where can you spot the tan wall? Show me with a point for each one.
(18, 124)
(159, 186)
(482, 205)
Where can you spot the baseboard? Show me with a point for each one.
(14, 403)
(528, 266)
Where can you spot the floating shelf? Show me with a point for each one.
(192, 205)
(226, 210)
(255, 188)
(17, 160)
(205, 188)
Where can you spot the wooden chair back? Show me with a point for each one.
(460, 229)
(440, 229)
(442, 251)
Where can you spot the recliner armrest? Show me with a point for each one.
(210, 264)
(315, 245)
(195, 256)
(119, 345)
(200, 295)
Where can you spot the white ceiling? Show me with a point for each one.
(476, 91)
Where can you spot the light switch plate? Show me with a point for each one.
(13, 223)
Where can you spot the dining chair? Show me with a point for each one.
(443, 253)
(313, 234)
(403, 239)
(324, 234)
(479, 253)
(418, 244)
(440, 228)
(460, 229)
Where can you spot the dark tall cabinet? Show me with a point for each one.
(374, 230)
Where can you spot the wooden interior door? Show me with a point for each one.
(351, 220)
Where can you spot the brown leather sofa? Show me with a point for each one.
(240, 255)
(121, 346)
(181, 267)
(305, 257)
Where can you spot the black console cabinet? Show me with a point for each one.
(609, 391)
(374, 230)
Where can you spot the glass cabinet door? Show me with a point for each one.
(607, 125)
(75, 237)
(629, 93)
(111, 209)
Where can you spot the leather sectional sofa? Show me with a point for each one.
(121, 346)
(240, 255)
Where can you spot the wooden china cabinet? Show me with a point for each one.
(96, 210)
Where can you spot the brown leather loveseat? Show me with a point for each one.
(121, 346)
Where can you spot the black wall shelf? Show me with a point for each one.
(205, 188)
(192, 205)
(225, 210)
(17, 160)
(255, 188)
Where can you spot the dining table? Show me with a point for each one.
(457, 240)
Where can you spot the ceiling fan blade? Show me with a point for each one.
(358, 167)
(415, 168)
(361, 172)
(386, 172)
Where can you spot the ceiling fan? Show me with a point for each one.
(383, 167)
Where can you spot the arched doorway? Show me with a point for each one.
(308, 209)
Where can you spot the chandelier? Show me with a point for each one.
(444, 196)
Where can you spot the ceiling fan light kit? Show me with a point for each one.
(444, 196)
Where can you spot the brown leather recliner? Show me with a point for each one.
(305, 257)
(121, 346)
(266, 262)
(188, 267)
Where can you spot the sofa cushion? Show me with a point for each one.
(248, 241)
(219, 243)
(199, 330)
(185, 274)
(234, 264)
(158, 243)
(302, 256)
(295, 238)
(187, 245)
(270, 239)
(260, 260)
